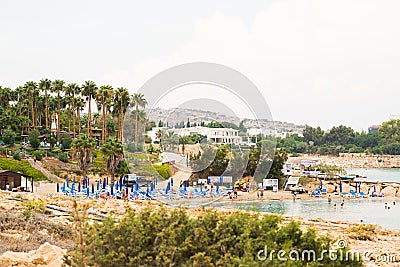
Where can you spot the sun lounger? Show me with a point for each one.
(352, 193)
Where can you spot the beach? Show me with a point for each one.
(384, 241)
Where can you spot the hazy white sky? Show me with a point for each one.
(316, 62)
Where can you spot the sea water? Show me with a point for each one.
(371, 210)
(378, 174)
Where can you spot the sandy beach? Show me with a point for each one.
(385, 241)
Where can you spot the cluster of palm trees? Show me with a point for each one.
(31, 106)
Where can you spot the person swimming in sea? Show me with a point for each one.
(329, 199)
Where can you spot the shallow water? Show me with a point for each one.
(378, 174)
(371, 210)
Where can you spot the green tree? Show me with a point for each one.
(89, 89)
(58, 88)
(390, 130)
(138, 100)
(9, 137)
(103, 98)
(45, 86)
(83, 147)
(33, 139)
(113, 153)
(121, 104)
(314, 135)
(340, 135)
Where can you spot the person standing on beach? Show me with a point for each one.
(262, 194)
(329, 199)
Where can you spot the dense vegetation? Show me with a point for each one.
(21, 167)
(343, 139)
(238, 162)
(173, 238)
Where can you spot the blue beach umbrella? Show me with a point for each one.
(184, 186)
(156, 180)
(74, 179)
(79, 187)
(126, 190)
(120, 185)
(221, 179)
(72, 188)
(137, 185)
(97, 185)
(374, 188)
(66, 181)
(340, 187)
(87, 191)
(132, 188)
(167, 188)
(112, 190)
(201, 186)
(147, 190)
(233, 185)
(172, 181)
(217, 188)
(104, 183)
(92, 188)
(320, 185)
(58, 188)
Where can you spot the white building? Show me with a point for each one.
(214, 135)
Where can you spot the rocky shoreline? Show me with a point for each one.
(351, 160)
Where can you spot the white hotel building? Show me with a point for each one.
(214, 135)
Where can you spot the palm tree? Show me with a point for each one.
(113, 152)
(58, 87)
(83, 147)
(6, 95)
(160, 135)
(32, 90)
(72, 90)
(103, 98)
(79, 105)
(89, 90)
(45, 85)
(121, 103)
(138, 100)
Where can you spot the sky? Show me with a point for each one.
(315, 62)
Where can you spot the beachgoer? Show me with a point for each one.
(8, 187)
(394, 203)
(342, 204)
(334, 205)
(180, 185)
(386, 206)
(294, 196)
(329, 199)
(258, 194)
(361, 220)
(235, 193)
(262, 194)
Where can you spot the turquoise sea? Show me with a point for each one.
(371, 210)
(375, 175)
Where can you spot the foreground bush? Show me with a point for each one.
(172, 238)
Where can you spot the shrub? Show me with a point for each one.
(162, 170)
(38, 154)
(17, 155)
(63, 157)
(173, 238)
(33, 139)
(9, 137)
(362, 232)
(66, 141)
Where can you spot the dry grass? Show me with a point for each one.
(22, 234)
